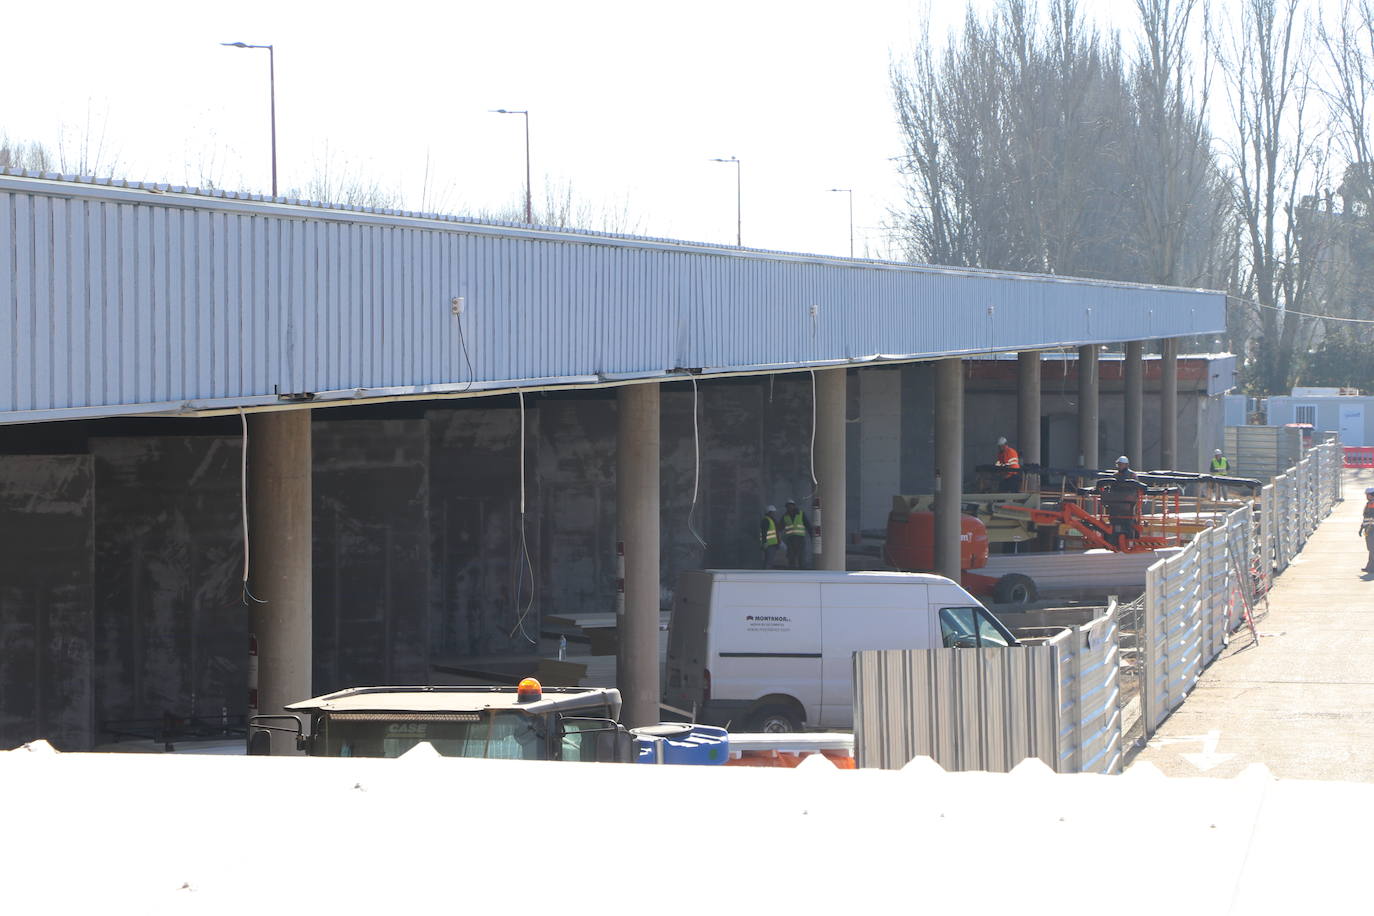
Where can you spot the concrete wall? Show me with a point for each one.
(47, 665)
(372, 543)
(171, 627)
(1200, 425)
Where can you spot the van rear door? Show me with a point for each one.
(858, 615)
(684, 673)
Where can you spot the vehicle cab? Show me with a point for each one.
(528, 722)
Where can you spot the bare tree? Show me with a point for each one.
(18, 155)
(1032, 145)
(1181, 195)
(1268, 65)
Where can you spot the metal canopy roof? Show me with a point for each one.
(122, 299)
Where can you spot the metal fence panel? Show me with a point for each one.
(1194, 598)
(1183, 626)
(989, 709)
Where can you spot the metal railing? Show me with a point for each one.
(1196, 598)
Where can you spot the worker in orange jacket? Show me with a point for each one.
(1009, 459)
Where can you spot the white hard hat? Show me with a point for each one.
(1369, 491)
(1001, 440)
(1216, 451)
(772, 508)
(1123, 460)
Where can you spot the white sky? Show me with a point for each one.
(628, 101)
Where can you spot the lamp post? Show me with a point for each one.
(738, 222)
(529, 218)
(850, 192)
(272, 85)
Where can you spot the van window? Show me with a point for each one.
(971, 628)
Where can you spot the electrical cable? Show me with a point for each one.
(524, 544)
(463, 343)
(1261, 305)
(696, 478)
(815, 484)
(243, 508)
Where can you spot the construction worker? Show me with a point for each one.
(1120, 495)
(1367, 528)
(769, 536)
(795, 529)
(1009, 459)
(1220, 468)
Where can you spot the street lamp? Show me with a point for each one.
(850, 192)
(738, 223)
(529, 218)
(272, 85)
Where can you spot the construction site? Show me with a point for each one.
(286, 481)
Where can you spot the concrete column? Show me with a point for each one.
(830, 465)
(279, 520)
(637, 520)
(1087, 407)
(1168, 402)
(1028, 406)
(949, 464)
(1135, 401)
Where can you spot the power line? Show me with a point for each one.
(1261, 305)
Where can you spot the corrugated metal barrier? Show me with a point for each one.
(1196, 598)
(1262, 451)
(989, 709)
(1060, 700)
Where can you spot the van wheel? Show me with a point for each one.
(1014, 588)
(774, 719)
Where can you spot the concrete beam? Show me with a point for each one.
(1028, 406)
(279, 516)
(637, 516)
(1087, 406)
(1168, 402)
(1135, 402)
(830, 465)
(949, 464)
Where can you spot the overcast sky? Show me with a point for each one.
(628, 102)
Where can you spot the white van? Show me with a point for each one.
(772, 650)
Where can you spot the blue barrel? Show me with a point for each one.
(680, 742)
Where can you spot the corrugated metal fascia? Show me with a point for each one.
(204, 299)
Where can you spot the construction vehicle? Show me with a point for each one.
(1111, 514)
(910, 547)
(525, 722)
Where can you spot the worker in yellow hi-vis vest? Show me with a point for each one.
(1221, 467)
(796, 529)
(770, 536)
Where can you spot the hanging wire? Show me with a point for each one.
(696, 478)
(1275, 308)
(463, 342)
(815, 484)
(243, 508)
(526, 564)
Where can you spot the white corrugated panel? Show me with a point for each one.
(122, 299)
(989, 709)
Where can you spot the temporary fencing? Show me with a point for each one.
(1358, 456)
(1196, 598)
(1061, 698)
(989, 709)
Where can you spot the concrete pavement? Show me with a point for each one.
(1302, 701)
